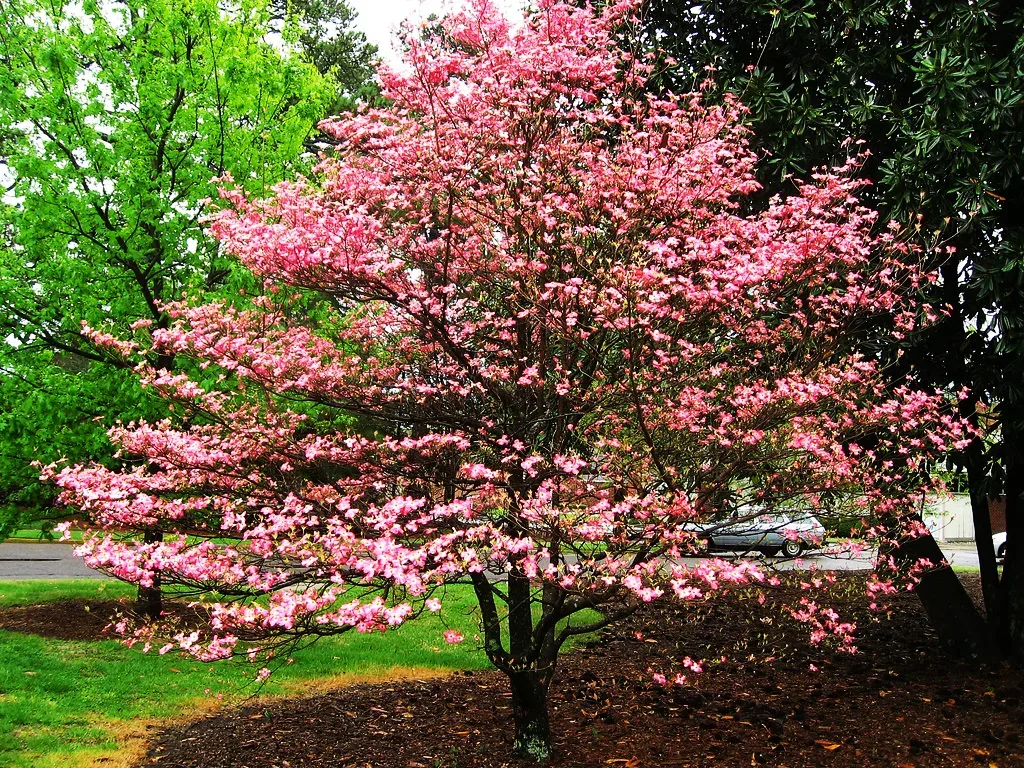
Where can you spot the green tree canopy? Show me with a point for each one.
(116, 118)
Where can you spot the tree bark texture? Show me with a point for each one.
(950, 609)
(532, 740)
(1012, 585)
(149, 601)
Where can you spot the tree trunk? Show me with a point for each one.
(1013, 569)
(149, 602)
(530, 715)
(1013, 565)
(977, 483)
(950, 609)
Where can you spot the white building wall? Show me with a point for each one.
(950, 519)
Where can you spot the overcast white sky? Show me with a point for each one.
(379, 18)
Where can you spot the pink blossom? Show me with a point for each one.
(547, 335)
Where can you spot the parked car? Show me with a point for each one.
(771, 533)
(999, 545)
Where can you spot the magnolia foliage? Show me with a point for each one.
(557, 342)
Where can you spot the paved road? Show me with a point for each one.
(42, 561)
(963, 555)
(55, 561)
(957, 555)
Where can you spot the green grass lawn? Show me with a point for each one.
(36, 534)
(68, 704)
(966, 569)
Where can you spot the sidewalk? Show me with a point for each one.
(957, 546)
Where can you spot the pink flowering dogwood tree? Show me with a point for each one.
(561, 343)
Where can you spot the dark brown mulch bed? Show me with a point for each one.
(902, 701)
(76, 619)
(62, 619)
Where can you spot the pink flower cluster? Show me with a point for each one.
(518, 330)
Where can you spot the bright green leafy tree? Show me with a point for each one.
(115, 119)
(936, 90)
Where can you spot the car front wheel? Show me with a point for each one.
(1001, 552)
(792, 548)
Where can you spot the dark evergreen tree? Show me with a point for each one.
(935, 89)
